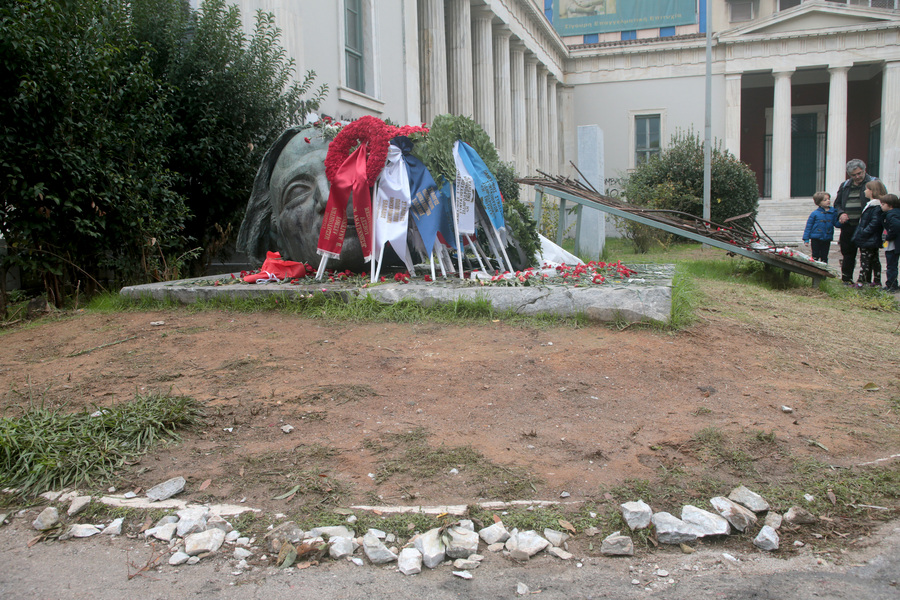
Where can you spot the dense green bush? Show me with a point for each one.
(83, 123)
(130, 132)
(673, 180)
(232, 96)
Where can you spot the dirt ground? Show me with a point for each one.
(520, 412)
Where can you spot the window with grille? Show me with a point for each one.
(646, 137)
(353, 45)
(741, 12)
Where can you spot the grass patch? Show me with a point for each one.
(413, 458)
(45, 449)
(338, 306)
(712, 445)
(335, 395)
(685, 298)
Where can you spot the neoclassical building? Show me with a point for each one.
(798, 86)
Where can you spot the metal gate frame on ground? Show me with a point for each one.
(726, 237)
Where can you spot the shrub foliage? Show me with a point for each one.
(673, 180)
(130, 131)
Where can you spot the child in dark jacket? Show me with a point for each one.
(868, 236)
(820, 227)
(890, 204)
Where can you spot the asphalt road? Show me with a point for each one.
(98, 568)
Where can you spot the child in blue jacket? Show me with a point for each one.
(820, 227)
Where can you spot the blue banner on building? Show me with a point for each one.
(580, 17)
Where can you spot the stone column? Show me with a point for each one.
(554, 164)
(568, 138)
(459, 57)
(836, 150)
(519, 121)
(889, 171)
(543, 112)
(503, 98)
(781, 137)
(733, 113)
(483, 70)
(532, 125)
(432, 59)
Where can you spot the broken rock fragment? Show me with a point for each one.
(617, 544)
(672, 530)
(739, 517)
(166, 489)
(637, 514)
(748, 498)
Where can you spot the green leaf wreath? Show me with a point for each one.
(436, 151)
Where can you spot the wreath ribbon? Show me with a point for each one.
(348, 182)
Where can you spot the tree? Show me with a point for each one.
(84, 186)
(673, 180)
(232, 97)
(130, 131)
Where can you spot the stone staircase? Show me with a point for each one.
(784, 220)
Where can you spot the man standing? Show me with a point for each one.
(849, 202)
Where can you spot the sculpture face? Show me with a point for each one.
(288, 203)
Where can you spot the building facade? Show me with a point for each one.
(798, 86)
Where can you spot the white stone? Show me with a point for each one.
(617, 544)
(115, 527)
(166, 520)
(432, 547)
(51, 496)
(521, 589)
(219, 523)
(797, 515)
(162, 532)
(672, 530)
(78, 504)
(234, 536)
(166, 489)
(82, 531)
(559, 553)
(773, 520)
(463, 574)
(465, 564)
(357, 561)
(522, 545)
(739, 517)
(193, 560)
(340, 547)
(409, 562)
(68, 496)
(495, 533)
(378, 533)
(637, 514)
(460, 542)
(179, 558)
(207, 541)
(467, 524)
(556, 538)
(767, 539)
(192, 520)
(496, 547)
(750, 499)
(706, 522)
(48, 518)
(241, 541)
(376, 551)
(338, 531)
(242, 553)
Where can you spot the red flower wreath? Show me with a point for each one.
(368, 129)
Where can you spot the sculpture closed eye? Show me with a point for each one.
(285, 209)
